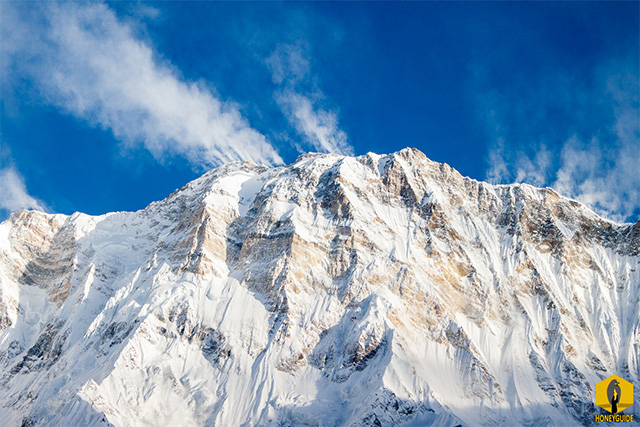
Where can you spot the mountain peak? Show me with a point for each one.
(379, 289)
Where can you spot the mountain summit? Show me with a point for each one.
(375, 290)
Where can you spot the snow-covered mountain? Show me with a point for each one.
(336, 291)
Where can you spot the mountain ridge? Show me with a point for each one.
(333, 291)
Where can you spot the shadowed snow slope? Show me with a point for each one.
(336, 291)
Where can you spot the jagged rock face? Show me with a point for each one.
(376, 290)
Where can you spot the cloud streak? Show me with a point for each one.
(303, 108)
(93, 66)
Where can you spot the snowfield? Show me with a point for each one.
(336, 291)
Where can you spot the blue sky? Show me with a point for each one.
(109, 106)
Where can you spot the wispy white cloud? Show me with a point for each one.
(498, 171)
(303, 108)
(95, 67)
(13, 192)
(583, 139)
(318, 126)
(289, 64)
(534, 170)
(607, 176)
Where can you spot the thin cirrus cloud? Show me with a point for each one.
(300, 100)
(580, 136)
(90, 64)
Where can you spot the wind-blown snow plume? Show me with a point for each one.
(602, 176)
(583, 141)
(96, 68)
(319, 126)
(13, 192)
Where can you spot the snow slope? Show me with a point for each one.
(376, 290)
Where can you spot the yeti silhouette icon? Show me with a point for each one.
(613, 393)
